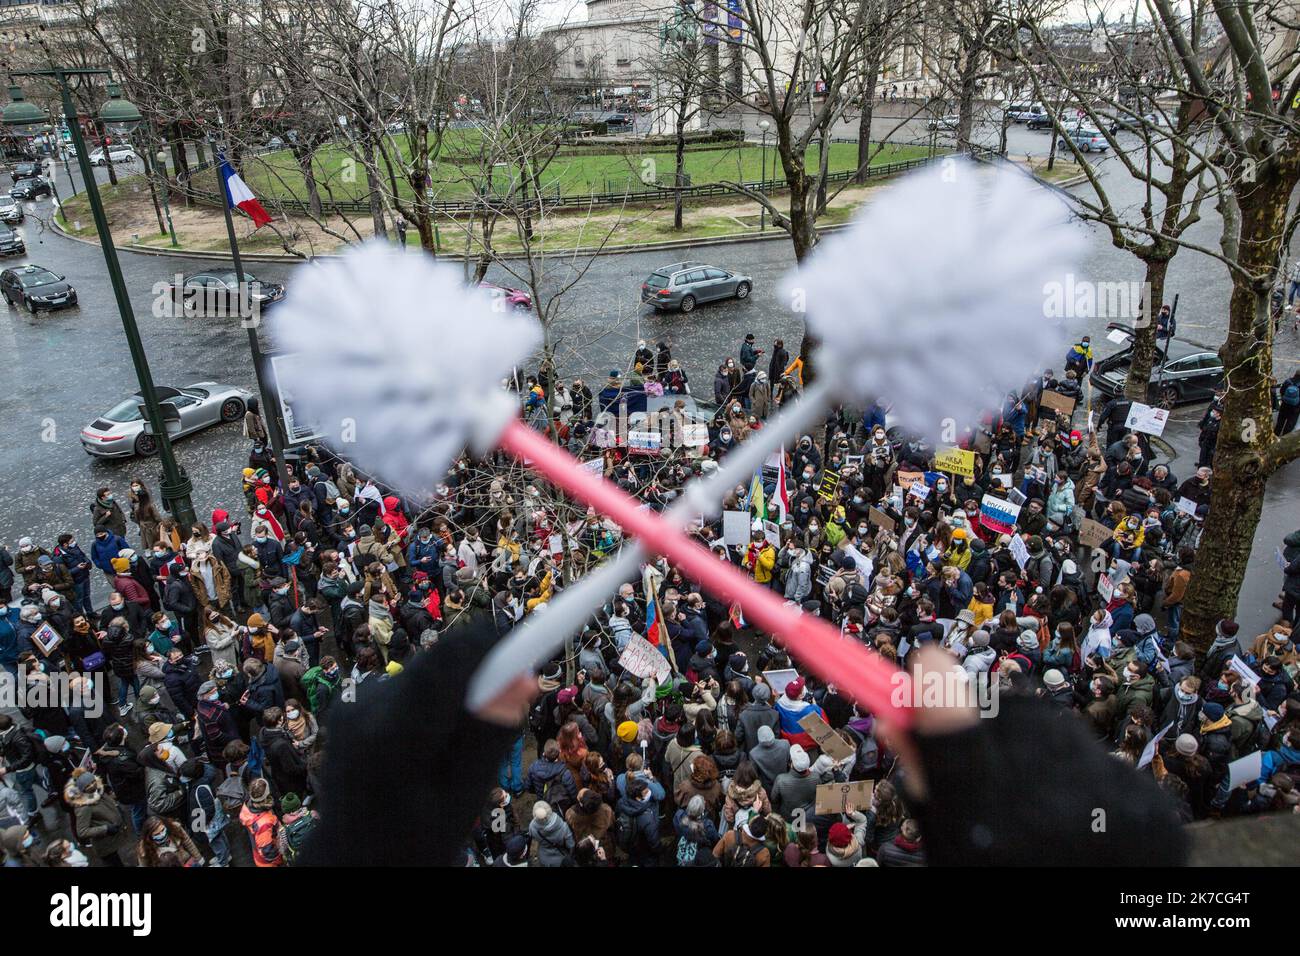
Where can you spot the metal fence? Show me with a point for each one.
(609, 198)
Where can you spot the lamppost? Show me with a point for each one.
(763, 125)
(160, 163)
(175, 485)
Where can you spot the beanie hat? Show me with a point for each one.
(465, 575)
(567, 695)
(1212, 711)
(703, 647)
(517, 848)
(1186, 745)
(627, 731)
(823, 764)
(82, 780)
(840, 836)
(1227, 628)
(149, 694)
(1069, 567)
(980, 639)
(289, 803)
(798, 759)
(120, 564)
(794, 689)
(1054, 678)
(207, 687)
(54, 743)
(158, 732)
(765, 734)
(1035, 544)
(45, 559)
(738, 662)
(762, 693)
(1028, 640)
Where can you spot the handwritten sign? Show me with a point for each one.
(1057, 402)
(881, 520)
(778, 679)
(956, 461)
(835, 797)
(1019, 551)
(643, 659)
(1093, 534)
(1187, 506)
(830, 482)
(831, 743)
(1146, 418)
(735, 527)
(906, 479)
(1244, 669)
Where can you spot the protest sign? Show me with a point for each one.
(596, 466)
(830, 742)
(1105, 587)
(772, 532)
(1187, 506)
(956, 461)
(1244, 669)
(906, 479)
(1003, 480)
(830, 482)
(1245, 770)
(1019, 551)
(1149, 752)
(881, 520)
(778, 679)
(920, 490)
(1057, 402)
(835, 797)
(643, 441)
(1118, 336)
(1093, 534)
(695, 435)
(1146, 418)
(643, 659)
(864, 564)
(46, 639)
(999, 515)
(735, 527)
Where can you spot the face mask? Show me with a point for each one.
(28, 549)
(292, 715)
(331, 674)
(1130, 676)
(108, 499)
(117, 607)
(426, 538)
(813, 526)
(862, 530)
(76, 858)
(941, 486)
(165, 626)
(909, 522)
(160, 837)
(71, 544)
(160, 554)
(259, 538)
(226, 675)
(28, 841)
(344, 511)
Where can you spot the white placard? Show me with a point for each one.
(864, 564)
(1242, 668)
(643, 659)
(778, 679)
(695, 435)
(1003, 480)
(1146, 418)
(643, 441)
(772, 532)
(1149, 752)
(735, 527)
(596, 466)
(1118, 336)
(1187, 506)
(1245, 770)
(919, 489)
(1019, 551)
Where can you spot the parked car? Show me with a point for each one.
(516, 298)
(217, 292)
(10, 211)
(25, 171)
(684, 284)
(11, 244)
(1132, 123)
(1041, 121)
(1183, 373)
(116, 154)
(1024, 112)
(37, 288)
(1087, 140)
(32, 188)
(948, 123)
(120, 433)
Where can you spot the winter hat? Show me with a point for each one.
(127, 553)
(158, 732)
(1028, 640)
(840, 836)
(120, 565)
(54, 743)
(798, 759)
(207, 687)
(980, 639)
(762, 693)
(465, 575)
(1144, 624)
(82, 780)
(1069, 567)
(149, 694)
(627, 731)
(823, 764)
(1212, 711)
(794, 689)
(289, 803)
(966, 616)
(566, 695)
(1035, 544)
(49, 594)
(256, 621)
(1227, 628)
(222, 527)
(703, 647)
(517, 848)
(765, 734)
(738, 663)
(1186, 745)
(44, 560)
(1054, 678)
(24, 542)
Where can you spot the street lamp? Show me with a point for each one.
(175, 485)
(763, 125)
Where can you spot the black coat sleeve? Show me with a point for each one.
(1030, 788)
(406, 767)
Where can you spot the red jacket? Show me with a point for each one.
(131, 590)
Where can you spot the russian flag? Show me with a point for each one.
(239, 195)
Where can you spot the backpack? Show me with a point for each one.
(313, 682)
(296, 833)
(256, 763)
(1291, 394)
(625, 832)
(266, 846)
(687, 850)
(231, 793)
(742, 854)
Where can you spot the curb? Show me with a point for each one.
(504, 257)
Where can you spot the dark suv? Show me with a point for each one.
(11, 244)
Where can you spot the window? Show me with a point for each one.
(714, 274)
(1182, 365)
(696, 276)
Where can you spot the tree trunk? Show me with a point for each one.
(302, 153)
(376, 203)
(1144, 333)
(1240, 473)
(966, 104)
(679, 166)
(803, 236)
(864, 125)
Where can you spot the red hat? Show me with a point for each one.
(420, 576)
(219, 515)
(567, 695)
(841, 836)
(794, 689)
(1076, 435)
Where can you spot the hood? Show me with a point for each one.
(552, 827)
(1292, 540)
(635, 808)
(548, 771)
(75, 798)
(11, 839)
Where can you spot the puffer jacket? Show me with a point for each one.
(97, 822)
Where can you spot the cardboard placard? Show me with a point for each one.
(643, 659)
(906, 479)
(956, 461)
(1146, 418)
(1057, 402)
(834, 797)
(830, 742)
(881, 520)
(1093, 534)
(46, 639)
(735, 527)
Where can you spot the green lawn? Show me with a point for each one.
(340, 178)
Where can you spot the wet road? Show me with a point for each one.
(62, 369)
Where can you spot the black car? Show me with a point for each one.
(30, 189)
(1039, 121)
(37, 288)
(11, 244)
(217, 293)
(1182, 372)
(25, 171)
(10, 211)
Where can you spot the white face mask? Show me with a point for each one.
(76, 858)
(292, 715)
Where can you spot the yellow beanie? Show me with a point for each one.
(393, 669)
(120, 565)
(627, 731)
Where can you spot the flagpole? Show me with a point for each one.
(271, 421)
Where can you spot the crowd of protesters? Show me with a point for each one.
(1051, 559)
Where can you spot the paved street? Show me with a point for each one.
(64, 368)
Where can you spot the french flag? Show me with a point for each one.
(238, 194)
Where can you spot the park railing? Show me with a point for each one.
(556, 199)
